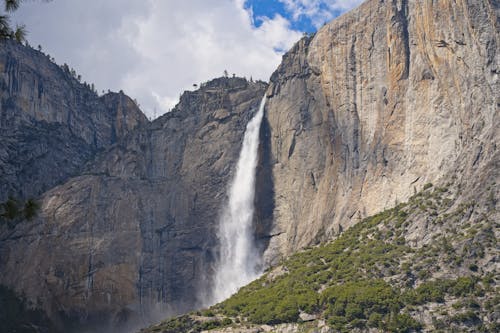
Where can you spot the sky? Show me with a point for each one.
(154, 50)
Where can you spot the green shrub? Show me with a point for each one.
(469, 317)
(370, 300)
(178, 324)
(473, 267)
(375, 320)
(31, 208)
(11, 212)
(207, 313)
(463, 286)
(403, 323)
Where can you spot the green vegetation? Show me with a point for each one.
(368, 277)
(14, 211)
(333, 280)
(10, 209)
(372, 276)
(30, 209)
(187, 324)
(436, 290)
(339, 267)
(369, 303)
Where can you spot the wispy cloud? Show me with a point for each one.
(318, 11)
(153, 50)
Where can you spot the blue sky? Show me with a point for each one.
(270, 8)
(155, 49)
(303, 15)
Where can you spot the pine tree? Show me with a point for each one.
(11, 5)
(10, 209)
(30, 209)
(6, 32)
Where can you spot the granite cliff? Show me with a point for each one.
(133, 236)
(379, 102)
(50, 123)
(362, 119)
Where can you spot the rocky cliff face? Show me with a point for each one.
(381, 101)
(135, 235)
(50, 123)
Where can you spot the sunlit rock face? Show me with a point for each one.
(381, 101)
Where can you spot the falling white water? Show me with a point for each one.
(239, 262)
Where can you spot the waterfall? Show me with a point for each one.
(239, 262)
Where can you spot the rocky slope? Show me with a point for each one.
(427, 265)
(50, 123)
(386, 98)
(430, 264)
(134, 235)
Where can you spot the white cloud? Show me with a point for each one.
(155, 49)
(196, 41)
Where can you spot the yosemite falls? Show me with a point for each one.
(239, 262)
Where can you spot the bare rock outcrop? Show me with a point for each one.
(50, 123)
(379, 102)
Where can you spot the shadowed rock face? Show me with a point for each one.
(381, 101)
(50, 124)
(134, 236)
